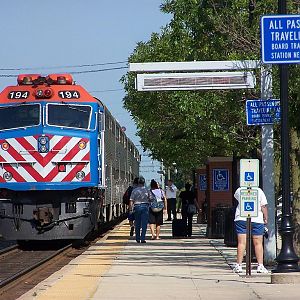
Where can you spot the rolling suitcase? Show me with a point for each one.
(179, 228)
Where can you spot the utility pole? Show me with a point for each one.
(287, 259)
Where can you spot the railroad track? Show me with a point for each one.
(17, 262)
(22, 269)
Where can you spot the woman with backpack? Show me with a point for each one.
(189, 206)
(156, 214)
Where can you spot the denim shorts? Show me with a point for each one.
(256, 228)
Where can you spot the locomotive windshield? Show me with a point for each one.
(24, 115)
(69, 115)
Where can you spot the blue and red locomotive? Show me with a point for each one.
(64, 160)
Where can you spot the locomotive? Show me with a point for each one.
(64, 160)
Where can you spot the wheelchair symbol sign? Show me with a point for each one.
(249, 202)
(249, 206)
(249, 176)
(220, 180)
(202, 182)
(249, 172)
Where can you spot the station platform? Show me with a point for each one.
(117, 267)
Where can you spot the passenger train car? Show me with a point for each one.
(64, 160)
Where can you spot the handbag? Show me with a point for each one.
(157, 204)
(192, 209)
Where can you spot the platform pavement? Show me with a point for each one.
(187, 268)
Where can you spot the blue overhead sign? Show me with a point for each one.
(280, 39)
(260, 112)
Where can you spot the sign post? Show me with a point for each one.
(248, 209)
(249, 180)
(248, 247)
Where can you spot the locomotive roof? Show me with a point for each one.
(54, 87)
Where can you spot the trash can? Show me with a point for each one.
(218, 222)
(230, 236)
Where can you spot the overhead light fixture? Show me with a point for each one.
(195, 81)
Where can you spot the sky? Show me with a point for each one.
(54, 36)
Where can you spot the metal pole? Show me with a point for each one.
(287, 259)
(248, 247)
(268, 167)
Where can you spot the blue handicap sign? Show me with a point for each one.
(249, 176)
(202, 182)
(249, 206)
(220, 180)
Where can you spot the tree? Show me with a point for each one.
(186, 127)
(190, 122)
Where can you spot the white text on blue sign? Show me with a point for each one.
(261, 112)
(280, 39)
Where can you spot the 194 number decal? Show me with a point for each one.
(69, 94)
(18, 95)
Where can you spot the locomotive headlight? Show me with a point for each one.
(43, 144)
(5, 146)
(82, 145)
(7, 176)
(80, 175)
(39, 93)
(43, 140)
(43, 149)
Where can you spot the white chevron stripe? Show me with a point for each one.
(20, 170)
(19, 148)
(44, 171)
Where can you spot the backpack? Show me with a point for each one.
(127, 194)
(157, 204)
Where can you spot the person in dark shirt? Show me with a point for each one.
(126, 198)
(187, 199)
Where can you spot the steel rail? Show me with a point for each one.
(19, 274)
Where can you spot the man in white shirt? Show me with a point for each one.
(257, 230)
(171, 190)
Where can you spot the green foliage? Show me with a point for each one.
(187, 127)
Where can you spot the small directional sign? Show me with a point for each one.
(260, 112)
(249, 172)
(249, 202)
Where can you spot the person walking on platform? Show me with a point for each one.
(156, 217)
(189, 207)
(171, 190)
(257, 230)
(139, 204)
(126, 198)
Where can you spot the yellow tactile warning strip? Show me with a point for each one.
(80, 278)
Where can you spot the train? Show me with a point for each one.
(65, 161)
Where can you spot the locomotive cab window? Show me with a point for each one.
(25, 115)
(69, 115)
